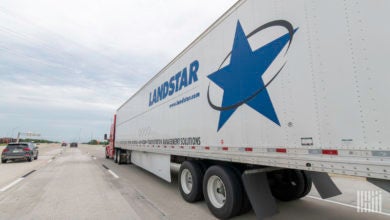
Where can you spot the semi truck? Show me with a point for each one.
(273, 97)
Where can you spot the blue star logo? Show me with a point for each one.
(241, 80)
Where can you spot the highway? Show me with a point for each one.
(79, 183)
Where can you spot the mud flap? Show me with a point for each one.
(324, 184)
(259, 194)
(383, 184)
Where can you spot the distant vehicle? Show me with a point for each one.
(25, 151)
(74, 144)
(64, 144)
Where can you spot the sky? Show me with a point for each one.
(66, 66)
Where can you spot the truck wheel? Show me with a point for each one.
(308, 183)
(288, 185)
(115, 155)
(246, 204)
(3, 161)
(36, 157)
(222, 192)
(31, 158)
(118, 157)
(190, 181)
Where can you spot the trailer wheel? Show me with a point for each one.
(118, 157)
(222, 192)
(203, 164)
(115, 155)
(288, 185)
(308, 183)
(246, 204)
(190, 181)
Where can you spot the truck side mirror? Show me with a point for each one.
(105, 136)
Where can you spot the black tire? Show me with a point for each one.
(204, 165)
(288, 185)
(31, 158)
(36, 157)
(246, 204)
(118, 157)
(115, 155)
(195, 169)
(4, 161)
(233, 191)
(308, 184)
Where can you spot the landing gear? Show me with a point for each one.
(288, 185)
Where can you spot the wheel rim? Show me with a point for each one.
(186, 181)
(216, 191)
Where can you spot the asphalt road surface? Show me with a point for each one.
(72, 183)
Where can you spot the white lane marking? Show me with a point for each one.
(11, 184)
(49, 161)
(343, 204)
(94, 158)
(113, 174)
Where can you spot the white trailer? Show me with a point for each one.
(271, 97)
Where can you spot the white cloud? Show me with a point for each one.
(137, 26)
(67, 65)
(65, 97)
